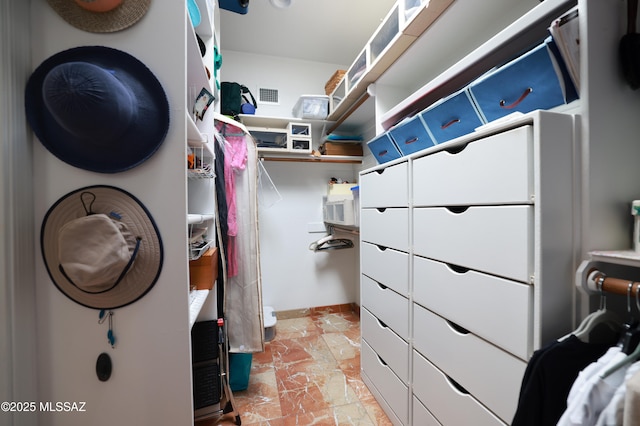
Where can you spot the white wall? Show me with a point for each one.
(17, 290)
(151, 382)
(290, 77)
(294, 277)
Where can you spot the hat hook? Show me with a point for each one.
(88, 208)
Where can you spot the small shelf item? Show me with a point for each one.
(199, 241)
(203, 272)
(198, 163)
(204, 99)
(311, 107)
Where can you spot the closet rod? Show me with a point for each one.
(596, 279)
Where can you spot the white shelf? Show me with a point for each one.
(400, 42)
(617, 257)
(193, 219)
(275, 122)
(194, 137)
(196, 302)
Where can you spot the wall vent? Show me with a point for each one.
(268, 96)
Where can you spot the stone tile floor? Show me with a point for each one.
(309, 374)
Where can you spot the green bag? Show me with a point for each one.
(232, 96)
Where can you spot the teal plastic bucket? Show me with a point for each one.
(239, 369)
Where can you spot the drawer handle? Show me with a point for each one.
(457, 209)
(449, 124)
(382, 323)
(457, 328)
(381, 248)
(458, 269)
(457, 385)
(383, 153)
(516, 103)
(410, 141)
(381, 360)
(381, 209)
(456, 149)
(382, 286)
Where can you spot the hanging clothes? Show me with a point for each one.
(235, 160)
(549, 377)
(221, 205)
(591, 393)
(243, 290)
(613, 414)
(631, 414)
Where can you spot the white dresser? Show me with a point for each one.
(467, 268)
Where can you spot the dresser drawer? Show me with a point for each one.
(490, 374)
(411, 136)
(394, 392)
(451, 118)
(493, 308)
(387, 266)
(387, 305)
(422, 416)
(386, 343)
(494, 170)
(493, 239)
(385, 227)
(386, 187)
(446, 401)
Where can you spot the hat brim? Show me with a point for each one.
(123, 16)
(141, 140)
(148, 262)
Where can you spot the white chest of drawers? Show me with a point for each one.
(471, 272)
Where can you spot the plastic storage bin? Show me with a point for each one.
(314, 107)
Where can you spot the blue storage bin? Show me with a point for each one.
(525, 84)
(383, 148)
(452, 117)
(411, 136)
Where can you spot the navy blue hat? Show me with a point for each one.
(97, 108)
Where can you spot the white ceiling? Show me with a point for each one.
(331, 31)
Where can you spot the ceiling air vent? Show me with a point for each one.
(268, 96)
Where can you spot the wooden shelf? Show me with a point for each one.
(270, 156)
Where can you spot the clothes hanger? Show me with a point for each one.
(331, 242)
(631, 337)
(602, 326)
(629, 341)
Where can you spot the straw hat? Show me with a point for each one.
(101, 16)
(97, 108)
(101, 247)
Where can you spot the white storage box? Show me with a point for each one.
(314, 107)
(339, 212)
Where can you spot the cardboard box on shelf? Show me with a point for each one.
(341, 148)
(203, 272)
